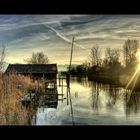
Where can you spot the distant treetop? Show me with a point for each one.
(38, 58)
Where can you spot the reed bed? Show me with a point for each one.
(12, 87)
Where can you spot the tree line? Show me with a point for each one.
(115, 61)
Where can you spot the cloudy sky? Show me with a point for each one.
(52, 34)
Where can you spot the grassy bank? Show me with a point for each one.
(12, 112)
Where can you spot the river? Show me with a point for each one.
(93, 104)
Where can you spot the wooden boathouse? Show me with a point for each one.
(36, 71)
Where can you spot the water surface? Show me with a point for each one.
(93, 104)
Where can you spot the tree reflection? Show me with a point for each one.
(95, 96)
(132, 102)
(112, 98)
(104, 96)
(113, 93)
(82, 81)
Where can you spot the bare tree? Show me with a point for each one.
(95, 56)
(112, 60)
(38, 58)
(112, 56)
(130, 48)
(2, 57)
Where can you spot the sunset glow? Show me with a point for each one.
(52, 34)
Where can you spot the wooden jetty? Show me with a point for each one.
(30, 98)
(48, 98)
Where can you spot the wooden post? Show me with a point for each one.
(67, 82)
(62, 89)
(44, 92)
(62, 86)
(67, 97)
(59, 81)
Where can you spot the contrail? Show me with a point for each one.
(60, 35)
(63, 37)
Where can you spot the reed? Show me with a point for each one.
(12, 87)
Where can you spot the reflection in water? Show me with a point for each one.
(113, 93)
(132, 102)
(82, 81)
(112, 98)
(51, 100)
(97, 103)
(95, 96)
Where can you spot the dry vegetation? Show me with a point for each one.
(12, 87)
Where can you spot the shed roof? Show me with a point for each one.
(32, 68)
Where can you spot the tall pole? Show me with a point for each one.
(68, 75)
(71, 54)
(69, 81)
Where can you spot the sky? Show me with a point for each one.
(52, 34)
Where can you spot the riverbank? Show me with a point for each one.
(13, 87)
(121, 80)
(130, 81)
(104, 78)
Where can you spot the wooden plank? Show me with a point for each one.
(27, 97)
(61, 85)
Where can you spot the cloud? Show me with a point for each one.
(52, 33)
(61, 35)
(13, 22)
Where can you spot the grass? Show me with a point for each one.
(12, 87)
